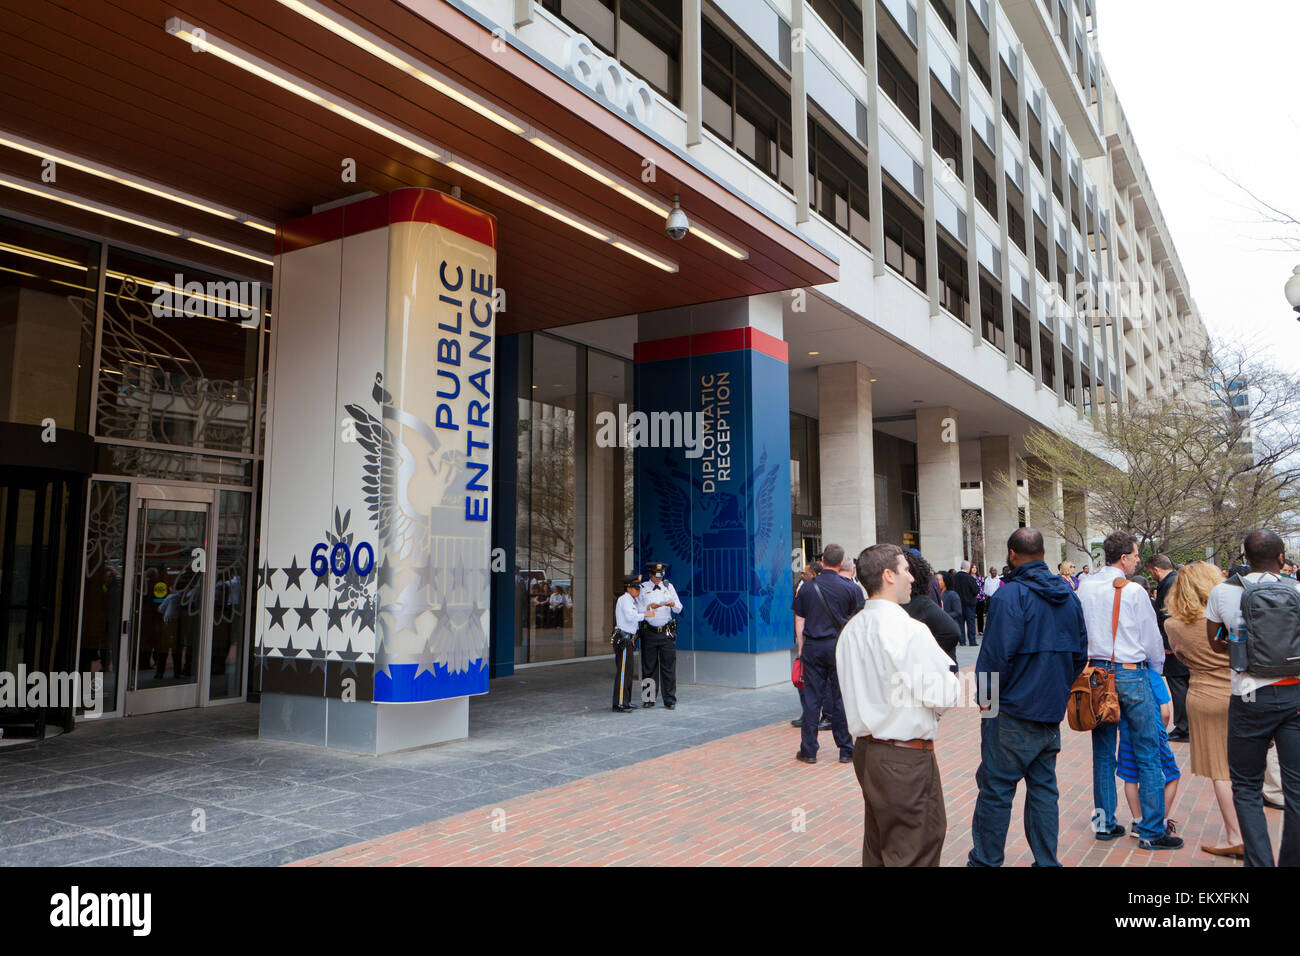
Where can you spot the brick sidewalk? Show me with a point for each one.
(737, 801)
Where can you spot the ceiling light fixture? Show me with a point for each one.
(203, 42)
(67, 199)
(383, 50)
(232, 250)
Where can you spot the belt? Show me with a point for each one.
(658, 630)
(1104, 662)
(914, 744)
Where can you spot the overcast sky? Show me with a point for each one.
(1209, 89)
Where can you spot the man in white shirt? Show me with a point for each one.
(627, 621)
(659, 635)
(1261, 709)
(1131, 639)
(895, 682)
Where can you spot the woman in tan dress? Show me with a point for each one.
(1209, 688)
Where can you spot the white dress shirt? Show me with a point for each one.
(663, 593)
(1138, 636)
(894, 679)
(1224, 608)
(626, 615)
(991, 584)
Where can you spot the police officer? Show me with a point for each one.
(628, 618)
(659, 635)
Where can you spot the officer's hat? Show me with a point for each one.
(631, 580)
(656, 567)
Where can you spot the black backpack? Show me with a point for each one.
(1271, 612)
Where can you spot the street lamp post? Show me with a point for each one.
(1293, 291)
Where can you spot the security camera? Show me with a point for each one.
(677, 225)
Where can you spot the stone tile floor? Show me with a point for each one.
(196, 788)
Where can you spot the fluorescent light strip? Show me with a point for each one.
(42, 256)
(647, 257)
(313, 94)
(377, 47)
(115, 175)
(322, 16)
(528, 200)
(244, 253)
(113, 213)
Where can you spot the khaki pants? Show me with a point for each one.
(904, 821)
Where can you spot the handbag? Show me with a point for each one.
(796, 673)
(1093, 700)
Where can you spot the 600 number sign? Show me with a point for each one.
(340, 559)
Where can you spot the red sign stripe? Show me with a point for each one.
(707, 343)
(379, 212)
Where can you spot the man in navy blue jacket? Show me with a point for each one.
(1035, 645)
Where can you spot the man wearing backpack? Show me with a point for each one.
(1264, 608)
(821, 609)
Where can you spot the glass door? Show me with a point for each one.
(171, 605)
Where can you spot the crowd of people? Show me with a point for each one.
(1196, 655)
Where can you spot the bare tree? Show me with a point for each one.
(1195, 469)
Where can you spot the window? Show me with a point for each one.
(947, 142)
(1015, 221)
(985, 189)
(844, 20)
(1009, 111)
(991, 313)
(980, 69)
(904, 241)
(1023, 342)
(954, 293)
(1047, 359)
(744, 107)
(840, 183)
(643, 35)
(898, 84)
(949, 20)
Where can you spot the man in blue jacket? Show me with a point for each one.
(1035, 645)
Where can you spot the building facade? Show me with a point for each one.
(975, 251)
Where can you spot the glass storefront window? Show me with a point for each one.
(230, 594)
(102, 590)
(48, 287)
(609, 503)
(178, 366)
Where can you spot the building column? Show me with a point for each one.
(847, 455)
(999, 470)
(715, 505)
(938, 485)
(1075, 504)
(1045, 510)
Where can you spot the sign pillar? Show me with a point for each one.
(374, 590)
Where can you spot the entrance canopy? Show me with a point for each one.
(192, 129)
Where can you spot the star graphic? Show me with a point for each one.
(305, 614)
(386, 573)
(322, 581)
(266, 576)
(318, 655)
(424, 577)
(277, 614)
(293, 573)
(336, 615)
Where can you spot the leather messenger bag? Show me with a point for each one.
(1093, 700)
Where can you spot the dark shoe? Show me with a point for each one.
(805, 759)
(623, 709)
(670, 706)
(1116, 831)
(1179, 736)
(844, 759)
(797, 722)
(647, 703)
(1272, 805)
(1165, 842)
(1171, 829)
(824, 725)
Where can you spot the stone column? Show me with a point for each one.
(847, 456)
(938, 485)
(1076, 516)
(1044, 511)
(999, 471)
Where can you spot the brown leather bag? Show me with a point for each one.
(1093, 700)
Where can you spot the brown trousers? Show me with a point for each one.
(904, 821)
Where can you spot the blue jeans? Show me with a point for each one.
(968, 628)
(1012, 750)
(1141, 717)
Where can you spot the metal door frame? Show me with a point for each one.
(165, 494)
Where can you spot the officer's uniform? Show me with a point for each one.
(658, 638)
(627, 622)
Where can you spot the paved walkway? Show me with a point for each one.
(744, 800)
(199, 788)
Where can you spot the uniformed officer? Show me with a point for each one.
(659, 636)
(628, 619)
